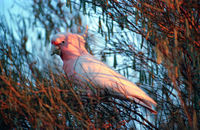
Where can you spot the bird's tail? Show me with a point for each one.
(145, 104)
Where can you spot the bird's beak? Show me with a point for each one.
(55, 50)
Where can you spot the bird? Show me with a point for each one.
(84, 67)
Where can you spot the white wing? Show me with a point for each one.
(80, 65)
(91, 69)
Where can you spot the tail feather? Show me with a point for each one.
(145, 104)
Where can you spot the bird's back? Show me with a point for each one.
(90, 69)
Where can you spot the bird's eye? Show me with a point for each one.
(62, 42)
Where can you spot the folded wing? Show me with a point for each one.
(90, 69)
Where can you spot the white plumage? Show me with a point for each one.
(82, 66)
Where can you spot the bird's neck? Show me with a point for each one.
(71, 52)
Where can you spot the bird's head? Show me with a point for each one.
(58, 41)
(68, 43)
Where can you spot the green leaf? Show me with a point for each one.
(94, 6)
(134, 62)
(84, 7)
(142, 42)
(99, 29)
(68, 4)
(115, 60)
(145, 77)
(127, 74)
(137, 17)
(112, 27)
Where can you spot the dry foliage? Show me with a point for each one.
(51, 101)
(170, 32)
(35, 98)
(167, 60)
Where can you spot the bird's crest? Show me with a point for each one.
(58, 38)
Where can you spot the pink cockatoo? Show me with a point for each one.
(82, 66)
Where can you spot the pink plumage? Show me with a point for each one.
(82, 66)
